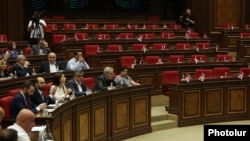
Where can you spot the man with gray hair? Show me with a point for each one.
(20, 68)
(106, 80)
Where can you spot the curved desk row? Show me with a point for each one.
(109, 115)
(215, 100)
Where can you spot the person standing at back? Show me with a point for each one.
(187, 19)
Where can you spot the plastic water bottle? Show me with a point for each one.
(15, 75)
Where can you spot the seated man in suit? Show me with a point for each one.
(51, 65)
(77, 62)
(22, 100)
(8, 135)
(41, 48)
(77, 85)
(38, 97)
(106, 80)
(25, 120)
(20, 68)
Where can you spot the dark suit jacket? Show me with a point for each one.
(72, 85)
(36, 49)
(20, 71)
(37, 99)
(102, 84)
(18, 104)
(44, 67)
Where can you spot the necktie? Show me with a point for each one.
(42, 96)
(27, 103)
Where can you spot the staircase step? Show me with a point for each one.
(159, 100)
(164, 124)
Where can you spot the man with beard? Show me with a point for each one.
(38, 97)
(22, 100)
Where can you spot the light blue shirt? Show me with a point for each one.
(73, 65)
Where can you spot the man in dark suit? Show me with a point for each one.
(20, 68)
(22, 100)
(38, 97)
(41, 48)
(76, 84)
(51, 65)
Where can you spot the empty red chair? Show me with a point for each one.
(153, 18)
(203, 45)
(169, 77)
(174, 26)
(89, 82)
(69, 26)
(5, 103)
(182, 46)
(92, 26)
(81, 36)
(50, 27)
(91, 50)
(222, 72)
(132, 26)
(14, 92)
(152, 59)
(128, 61)
(160, 46)
(151, 26)
(247, 26)
(209, 73)
(245, 35)
(126, 35)
(148, 36)
(194, 35)
(58, 18)
(101, 36)
(114, 47)
(111, 26)
(228, 26)
(224, 58)
(199, 57)
(139, 47)
(27, 51)
(173, 59)
(47, 89)
(246, 71)
(167, 35)
(3, 38)
(4, 49)
(58, 38)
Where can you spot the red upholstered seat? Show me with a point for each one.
(112, 26)
(51, 26)
(247, 26)
(114, 47)
(132, 26)
(58, 17)
(5, 103)
(167, 35)
(151, 26)
(173, 59)
(169, 77)
(152, 59)
(47, 89)
(222, 72)
(194, 35)
(58, 38)
(245, 35)
(126, 35)
(127, 61)
(174, 26)
(199, 57)
(69, 26)
(138, 47)
(92, 26)
(13, 92)
(182, 46)
(3, 38)
(203, 45)
(246, 71)
(81, 36)
(148, 36)
(160, 46)
(89, 82)
(228, 26)
(153, 18)
(209, 73)
(101, 36)
(224, 58)
(91, 50)
(4, 49)
(27, 51)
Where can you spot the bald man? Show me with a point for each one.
(51, 65)
(24, 122)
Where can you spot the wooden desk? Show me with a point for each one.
(109, 115)
(243, 48)
(215, 100)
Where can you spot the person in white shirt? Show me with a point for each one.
(77, 62)
(25, 120)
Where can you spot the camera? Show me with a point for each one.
(36, 17)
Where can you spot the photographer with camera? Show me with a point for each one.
(36, 27)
